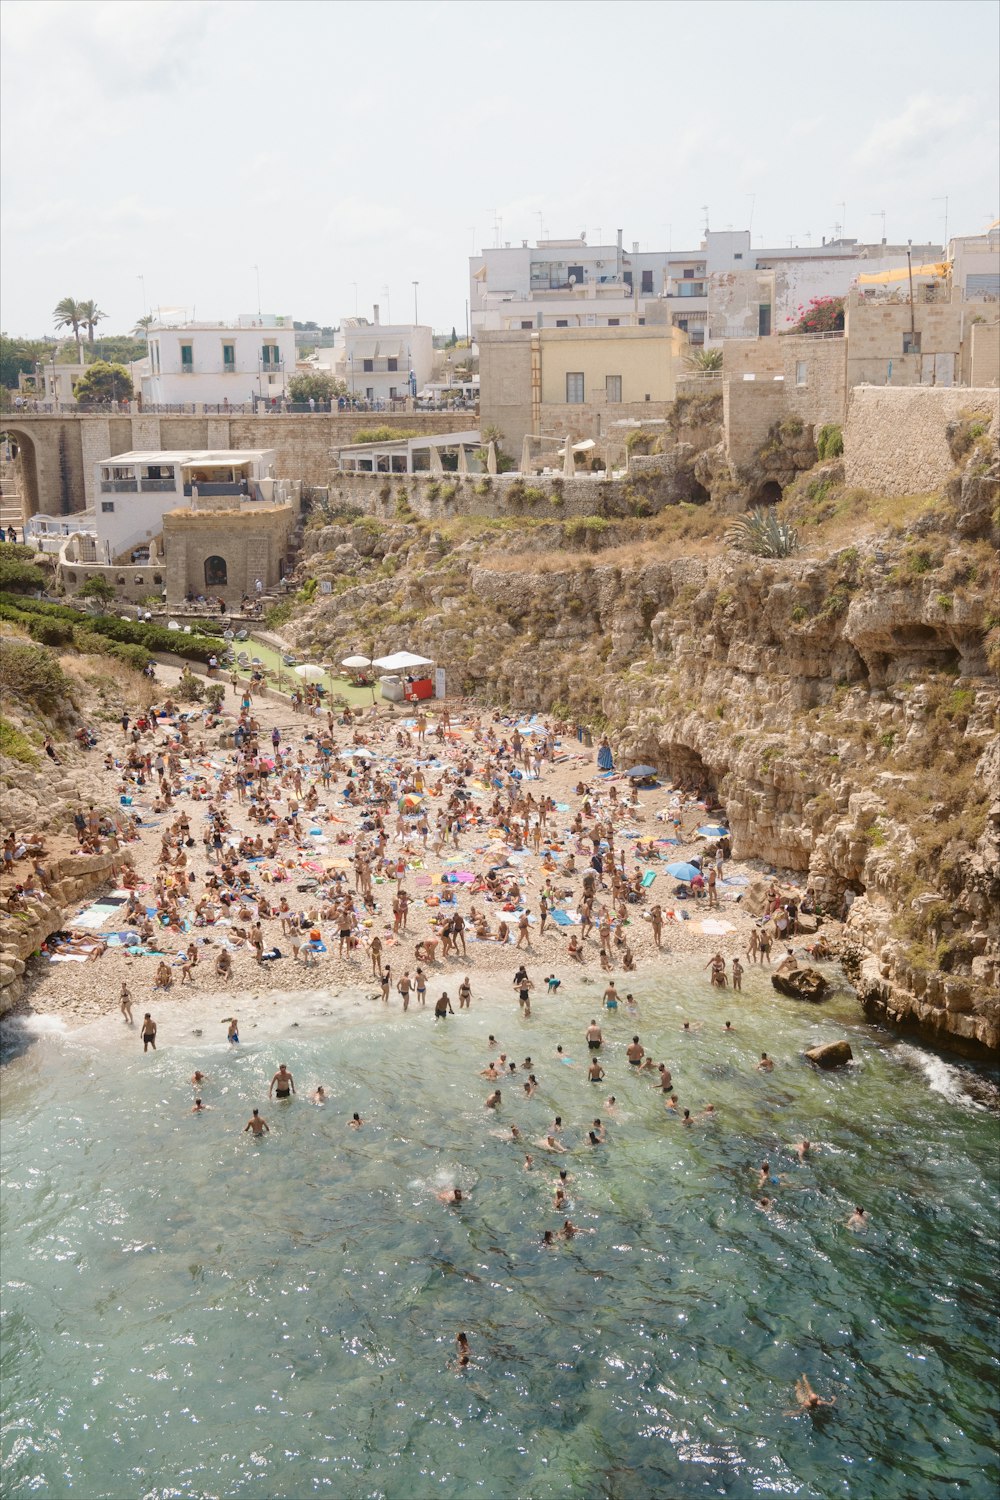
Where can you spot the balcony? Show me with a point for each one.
(158, 486)
(120, 486)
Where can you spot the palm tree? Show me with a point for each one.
(70, 314)
(704, 359)
(90, 316)
(143, 325)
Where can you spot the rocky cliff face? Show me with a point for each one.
(841, 701)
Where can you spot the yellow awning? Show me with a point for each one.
(901, 273)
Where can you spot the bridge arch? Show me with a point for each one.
(26, 465)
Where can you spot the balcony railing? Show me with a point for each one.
(119, 486)
(157, 486)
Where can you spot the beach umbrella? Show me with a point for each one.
(641, 773)
(411, 803)
(173, 625)
(713, 831)
(309, 672)
(356, 662)
(684, 872)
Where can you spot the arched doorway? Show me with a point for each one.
(216, 573)
(25, 463)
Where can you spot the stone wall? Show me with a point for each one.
(981, 355)
(60, 452)
(252, 546)
(505, 495)
(895, 441)
(750, 409)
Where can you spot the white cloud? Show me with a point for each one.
(920, 128)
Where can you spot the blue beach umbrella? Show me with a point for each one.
(641, 773)
(683, 871)
(713, 831)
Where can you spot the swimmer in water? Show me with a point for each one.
(494, 1100)
(197, 1107)
(548, 1239)
(529, 1161)
(671, 1103)
(765, 1065)
(451, 1195)
(257, 1124)
(318, 1095)
(728, 1027)
(802, 1149)
(858, 1221)
(198, 1078)
(595, 1073)
(807, 1398)
(549, 1143)
(692, 1026)
(462, 1345)
(611, 1104)
(282, 1084)
(764, 1176)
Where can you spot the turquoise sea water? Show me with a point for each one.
(188, 1313)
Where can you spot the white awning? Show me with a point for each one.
(402, 661)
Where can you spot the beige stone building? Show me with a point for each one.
(550, 382)
(225, 551)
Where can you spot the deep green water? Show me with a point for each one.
(188, 1313)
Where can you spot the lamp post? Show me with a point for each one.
(416, 319)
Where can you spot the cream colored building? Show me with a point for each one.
(551, 382)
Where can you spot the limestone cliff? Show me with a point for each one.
(842, 701)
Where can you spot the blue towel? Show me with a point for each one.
(561, 919)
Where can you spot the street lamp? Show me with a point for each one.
(416, 319)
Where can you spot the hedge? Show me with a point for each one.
(127, 632)
(32, 675)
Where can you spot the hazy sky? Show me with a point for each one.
(377, 143)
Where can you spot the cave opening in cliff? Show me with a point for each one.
(687, 769)
(769, 493)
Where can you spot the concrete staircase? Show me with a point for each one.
(11, 499)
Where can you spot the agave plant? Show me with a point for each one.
(762, 534)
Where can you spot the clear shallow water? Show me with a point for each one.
(188, 1313)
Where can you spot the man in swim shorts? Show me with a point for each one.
(148, 1033)
(282, 1084)
(635, 1052)
(594, 1037)
(257, 1125)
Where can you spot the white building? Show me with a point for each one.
(136, 490)
(219, 364)
(724, 289)
(975, 264)
(379, 362)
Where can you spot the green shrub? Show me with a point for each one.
(760, 533)
(16, 552)
(830, 441)
(383, 434)
(32, 675)
(15, 746)
(278, 614)
(50, 632)
(19, 577)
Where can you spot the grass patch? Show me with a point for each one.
(15, 745)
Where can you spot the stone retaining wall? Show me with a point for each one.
(895, 441)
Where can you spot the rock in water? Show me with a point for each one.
(801, 984)
(830, 1055)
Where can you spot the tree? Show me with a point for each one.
(103, 382)
(704, 359)
(319, 386)
(453, 341)
(142, 326)
(99, 589)
(20, 356)
(69, 314)
(90, 316)
(821, 315)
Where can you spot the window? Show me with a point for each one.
(647, 281)
(614, 322)
(187, 357)
(229, 357)
(800, 372)
(107, 505)
(911, 343)
(738, 255)
(271, 355)
(613, 387)
(393, 365)
(642, 322)
(368, 365)
(628, 278)
(562, 322)
(527, 323)
(574, 388)
(575, 273)
(682, 323)
(764, 320)
(216, 573)
(689, 273)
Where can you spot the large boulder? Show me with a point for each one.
(800, 984)
(830, 1054)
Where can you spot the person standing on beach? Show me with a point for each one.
(125, 1002)
(375, 949)
(233, 1033)
(148, 1033)
(465, 994)
(403, 988)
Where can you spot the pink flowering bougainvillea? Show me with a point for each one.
(822, 315)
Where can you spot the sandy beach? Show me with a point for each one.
(313, 868)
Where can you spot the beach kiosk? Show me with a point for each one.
(405, 677)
